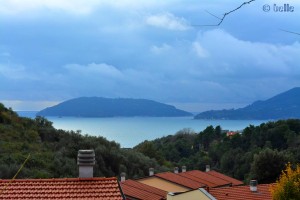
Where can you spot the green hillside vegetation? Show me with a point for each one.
(54, 152)
(260, 152)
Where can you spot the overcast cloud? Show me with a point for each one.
(55, 50)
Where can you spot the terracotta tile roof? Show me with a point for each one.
(181, 180)
(62, 188)
(207, 183)
(234, 182)
(214, 181)
(136, 190)
(242, 193)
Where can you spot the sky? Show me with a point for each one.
(168, 51)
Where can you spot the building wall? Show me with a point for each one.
(163, 184)
(191, 195)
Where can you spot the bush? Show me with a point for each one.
(288, 185)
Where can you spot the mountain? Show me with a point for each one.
(107, 107)
(282, 106)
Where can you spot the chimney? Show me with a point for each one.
(123, 176)
(253, 185)
(207, 168)
(183, 169)
(151, 171)
(176, 170)
(86, 162)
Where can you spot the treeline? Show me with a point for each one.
(259, 152)
(53, 153)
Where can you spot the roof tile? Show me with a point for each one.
(214, 181)
(62, 188)
(144, 187)
(234, 182)
(142, 191)
(206, 182)
(242, 193)
(181, 180)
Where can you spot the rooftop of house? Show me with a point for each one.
(233, 181)
(204, 176)
(242, 193)
(137, 190)
(61, 188)
(163, 184)
(181, 180)
(231, 133)
(207, 183)
(158, 185)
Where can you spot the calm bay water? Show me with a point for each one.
(133, 130)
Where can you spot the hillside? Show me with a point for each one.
(107, 107)
(244, 156)
(54, 152)
(282, 106)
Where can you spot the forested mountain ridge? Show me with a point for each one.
(107, 107)
(54, 152)
(282, 106)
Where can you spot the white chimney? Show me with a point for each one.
(151, 171)
(207, 168)
(86, 162)
(253, 185)
(176, 170)
(183, 169)
(123, 176)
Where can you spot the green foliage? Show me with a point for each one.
(54, 152)
(148, 149)
(267, 165)
(169, 148)
(243, 156)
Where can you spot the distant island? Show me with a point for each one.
(108, 107)
(282, 106)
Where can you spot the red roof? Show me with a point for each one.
(242, 193)
(136, 190)
(234, 182)
(231, 133)
(201, 180)
(181, 180)
(62, 188)
(216, 182)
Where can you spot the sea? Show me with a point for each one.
(130, 131)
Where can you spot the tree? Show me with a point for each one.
(288, 185)
(267, 165)
(147, 148)
(207, 136)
